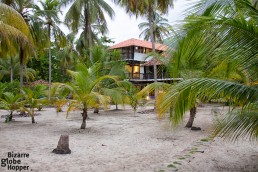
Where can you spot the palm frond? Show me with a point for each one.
(239, 123)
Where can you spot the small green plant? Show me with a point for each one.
(10, 102)
(181, 158)
(161, 170)
(177, 163)
(171, 166)
(205, 140)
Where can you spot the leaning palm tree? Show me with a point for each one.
(86, 90)
(234, 35)
(82, 14)
(160, 28)
(18, 39)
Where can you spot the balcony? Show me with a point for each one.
(147, 76)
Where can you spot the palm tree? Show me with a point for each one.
(68, 55)
(18, 39)
(33, 99)
(232, 35)
(86, 90)
(11, 68)
(147, 8)
(82, 14)
(11, 102)
(160, 28)
(49, 14)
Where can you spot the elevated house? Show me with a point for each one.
(140, 66)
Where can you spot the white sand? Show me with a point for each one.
(122, 141)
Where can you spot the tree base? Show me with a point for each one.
(195, 128)
(63, 145)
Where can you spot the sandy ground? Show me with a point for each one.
(121, 141)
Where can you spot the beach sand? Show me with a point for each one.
(120, 140)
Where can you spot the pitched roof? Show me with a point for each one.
(140, 43)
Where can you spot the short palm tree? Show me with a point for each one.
(11, 102)
(33, 98)
(86, 90)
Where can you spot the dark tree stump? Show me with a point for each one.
(63, 145)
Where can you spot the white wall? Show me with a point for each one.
(141, 57)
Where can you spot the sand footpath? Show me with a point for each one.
(117, 141)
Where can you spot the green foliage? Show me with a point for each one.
(12, 87)
(33, 98)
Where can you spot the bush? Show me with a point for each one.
(12, 87)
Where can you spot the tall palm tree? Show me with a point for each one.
(160, 28)
(48, 12)
(147, 8)
(230, 29)
(18, 39)
(82, 14)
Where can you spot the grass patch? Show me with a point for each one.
(194, 149)
(181, 158)
(171, 166)
(161, 170)
(205, 140)
(177, 163)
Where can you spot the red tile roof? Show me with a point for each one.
(140, 43)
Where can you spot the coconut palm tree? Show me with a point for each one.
(82, 14)
(33, 98)
(147, 8)
(48, 12)
(10, 68)
(160, 28)
(230, 30)
(11, 102)
(18, 39)
(68, 56)
(86, 90)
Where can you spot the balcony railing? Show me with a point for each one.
(147, 75)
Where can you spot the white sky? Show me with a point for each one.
(124, 27)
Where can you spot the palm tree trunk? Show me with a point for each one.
(191, 118)
(84, 116)
(63, 74)
(21, 67)
(11, 73)
(88, 28)
(96, 110)
(11, 116)
(32, 116)
(150, 18)
(49, 60)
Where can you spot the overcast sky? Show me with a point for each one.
(124, 27)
